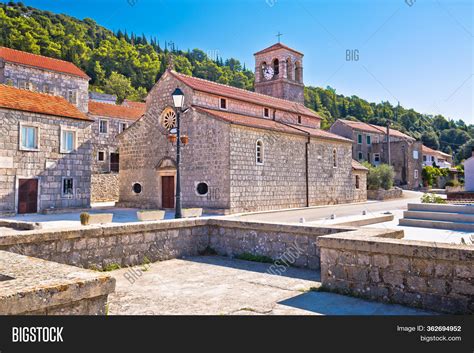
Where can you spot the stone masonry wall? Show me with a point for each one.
(104, 187)
(412, 273)
(48, 164)
(59, 83)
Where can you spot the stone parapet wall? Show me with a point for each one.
(411, 273)
(104, 187)
(30, 286)
(382, 194)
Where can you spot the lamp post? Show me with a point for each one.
(178, 101)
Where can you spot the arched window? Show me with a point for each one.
(276, 67)
(259, 152)
(334, 158)
(298, 72)
(168, 118)
(289, 69)
(263, 65)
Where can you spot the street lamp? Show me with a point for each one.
(178, 101)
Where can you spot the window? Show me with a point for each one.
(23, 84)
(72, 96)
(289, 70)
(137, 188)
(103, 126)
(223, 103)
(123, 127)
(368, 139)
(377, 139)
(432, 158)
(47, 88)
(259, 152)
(29, 138)
(299, 119)
(416, 173)
(68, 141)
(101, 156)
(266, 112)
(334, 158)
(376, 158)
(415, 154)
(359, 139)
(424, 158)
(202, 189)
(276, 67)
(68, 187)
(361, 156)
(168, 118)
(357, 180)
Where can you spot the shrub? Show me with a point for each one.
(429, 174)
(380, 177)
(84, 218)
(432, 198)
(453, 182)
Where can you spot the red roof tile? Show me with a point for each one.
(39, 61)
(357, 166)
(115, 111)
(359, 125)
(244, 95)
(277, 46)
(427, 150)
(34, 102)
(268, 124)
(136, 105)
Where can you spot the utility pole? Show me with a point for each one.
(388, 143)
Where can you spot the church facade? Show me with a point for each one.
(244, 151)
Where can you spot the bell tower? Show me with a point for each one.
(279, 73)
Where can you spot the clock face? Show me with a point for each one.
(267, 72)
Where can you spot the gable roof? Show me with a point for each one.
(277, 46)
(359, 125)
(115, 111)
(357, 166)
(132, 104)
(34, 102)
(262, 123)
(219, 89)
(427, 150)
(42, 62)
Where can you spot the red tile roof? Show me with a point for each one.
(268, 124)
(136, 105)
(430, 151)
(39, 61)
(276, 47)
(199, 84)
(34, 102)
(115, 111)
(357, 166)
(359, 125)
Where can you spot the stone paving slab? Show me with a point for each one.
(213, 285)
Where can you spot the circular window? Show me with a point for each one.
(202, 188)
(168, 119)
(137, 188)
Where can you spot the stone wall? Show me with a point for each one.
(47, 164)
(381, 194)
(360, 194)
(32, 286)
(58, 83)
(104, 187)
(437, 277)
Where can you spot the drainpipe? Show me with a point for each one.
(307, 169)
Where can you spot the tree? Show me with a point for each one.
(119, 85)
(430, 139)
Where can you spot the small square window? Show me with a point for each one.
(299, 119)
(376, 158)
(415, 154)
(357, 182)
(123, 127)
(68, 187)
(359, 139)
(68, 141)
(29, 138)
(424, 158)
(266, 112)
(416, 173)
(72, 96)
(103, 126)
(23, 84)
(369, 141)
(223, 103)
(101, 156)
(361, 156)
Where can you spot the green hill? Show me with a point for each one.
(128, 65)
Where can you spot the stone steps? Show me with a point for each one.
(439, 216)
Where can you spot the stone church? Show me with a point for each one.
(244, 151)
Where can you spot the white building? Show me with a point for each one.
(441, 159)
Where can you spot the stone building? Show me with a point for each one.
(109, 121)
(440, 159)
(369, 143)
(43, 74)
(245, 151)
(45, 152)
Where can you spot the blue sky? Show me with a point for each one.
(418, 52)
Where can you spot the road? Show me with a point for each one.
(322, 212)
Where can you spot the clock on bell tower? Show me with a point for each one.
(279, 73)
